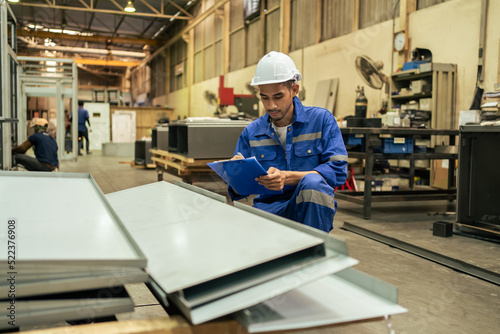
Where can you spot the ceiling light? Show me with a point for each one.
(13, 0)
(49, 42)
(129, 8)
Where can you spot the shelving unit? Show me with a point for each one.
(441, 80)
(372, 139)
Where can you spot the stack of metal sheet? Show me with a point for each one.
(212, 259)
(65, 254)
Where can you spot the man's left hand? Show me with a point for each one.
(274, 180)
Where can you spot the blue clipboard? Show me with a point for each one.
(240, 175)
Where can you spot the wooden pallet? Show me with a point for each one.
(182, 166)
(133, 164)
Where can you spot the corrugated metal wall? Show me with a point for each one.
(236, 43)
(303, 24)
(421, 4)
(178, 57)
(375, 11)
(273, 31)
(253, 48)
(337, 16)
(236, 38)
(206, 35)
(245, 42)
(158, 76)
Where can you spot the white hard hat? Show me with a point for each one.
(275, 67)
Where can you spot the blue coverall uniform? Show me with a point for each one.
(313, 142)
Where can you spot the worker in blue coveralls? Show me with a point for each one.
(300, 147)
(83, 117)
(45, 148)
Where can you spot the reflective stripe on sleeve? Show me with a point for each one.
(338, 158)
(317, 197)
(308, 136)
(263, 142)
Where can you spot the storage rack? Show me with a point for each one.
(441, 80)
(373, 140)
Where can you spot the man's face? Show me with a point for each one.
(278, 102)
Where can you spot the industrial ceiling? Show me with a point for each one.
(96, 29)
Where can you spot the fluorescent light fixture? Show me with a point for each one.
(49, 42)
(129, 8)
(50, 63)
(13, 0)
(33, 26)
(51, 69)
(173, 17)
(159, 31)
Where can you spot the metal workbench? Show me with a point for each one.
(372, 140)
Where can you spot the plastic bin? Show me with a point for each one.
(397, 145)
(354, 142)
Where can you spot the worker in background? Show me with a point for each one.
(300, 147)
(45, 148)
(83, 117)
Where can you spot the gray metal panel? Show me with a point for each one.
(63, 217)
(264, 291)
(36, 312)
(331, 242)
(201, 191)
(347, 296)
(52, 285)
(162, 138)
(206, 139)
(190, 239)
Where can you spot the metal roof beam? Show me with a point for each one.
(106, 11)
(93, 39)
(103, 62)
(179, 8)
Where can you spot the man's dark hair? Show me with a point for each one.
(80, 103)
(289, 84)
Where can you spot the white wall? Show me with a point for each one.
(450, 30)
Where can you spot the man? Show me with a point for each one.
(300, 147)
(45, 148)
(83, 116)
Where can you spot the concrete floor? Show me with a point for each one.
(438, 299)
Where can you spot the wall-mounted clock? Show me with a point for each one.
(399, 41)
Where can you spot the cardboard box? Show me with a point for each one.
(425, 104)
(439, 174)
(469, 116)
(417, 86)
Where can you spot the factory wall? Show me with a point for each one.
(450, 30)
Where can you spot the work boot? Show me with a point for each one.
(80, 153)
(88, 152)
